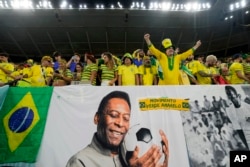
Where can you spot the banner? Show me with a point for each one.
(23, 118)
(202, 123)
(73, 107)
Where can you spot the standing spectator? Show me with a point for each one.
(108, 70)
(147, 72)
(192, 64)
(63, 75)
(57, 56)
(90, 70)
(41, 75)
(71, 64)
(169, 61)
(207, 72)
(6, 68)
(128, 72)
(138, 57)
(237, 71)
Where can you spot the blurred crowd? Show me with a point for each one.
(168, 66)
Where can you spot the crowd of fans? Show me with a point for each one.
(154, 67)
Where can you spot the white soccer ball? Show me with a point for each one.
(140, 136)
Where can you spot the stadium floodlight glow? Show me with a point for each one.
(247, 12)
(112, 6)
(208, 5)
(173, 6)
(142, 5)
(177, 7)
(133, 5)
(182, 7)
(243, 3)
(64, 4)
(166, 6)
(188, 6)
(237, 5)
(119, 5)
(195, 6)
(231, 16)
(231, 7)
(226, 18)
(6, 4)
(22, 4)
(70, 6)
(137, 4)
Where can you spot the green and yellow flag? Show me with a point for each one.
(22, 122)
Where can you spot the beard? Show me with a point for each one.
(147, 64)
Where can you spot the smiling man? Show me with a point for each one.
(113, 120)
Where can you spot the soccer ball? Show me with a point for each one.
(140, 136)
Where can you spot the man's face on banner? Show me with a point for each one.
(235, 98)
(114, 123)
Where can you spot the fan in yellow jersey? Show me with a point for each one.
(169, 61)
(41, 75)
(128, 72)
(207, 72)
(236, 71)
(147, 72)
(192, 64)
(6, 68)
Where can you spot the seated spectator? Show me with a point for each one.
(77, 75)
(63, 75)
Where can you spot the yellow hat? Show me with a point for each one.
(127, 55)
(30, 61)
(166, 43)
(48, 58)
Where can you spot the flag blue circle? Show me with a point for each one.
(21, 119)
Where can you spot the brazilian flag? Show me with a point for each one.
(22, 122)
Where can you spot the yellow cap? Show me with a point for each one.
(166, 43)
(127, 55)
(48, 58)
(30, 61)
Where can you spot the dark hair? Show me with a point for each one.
(56, 53)
(91, 57)
(80, 64)
(108, 54)
(229, 90)
(4, 54)
(111, 95)
(123, 60)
